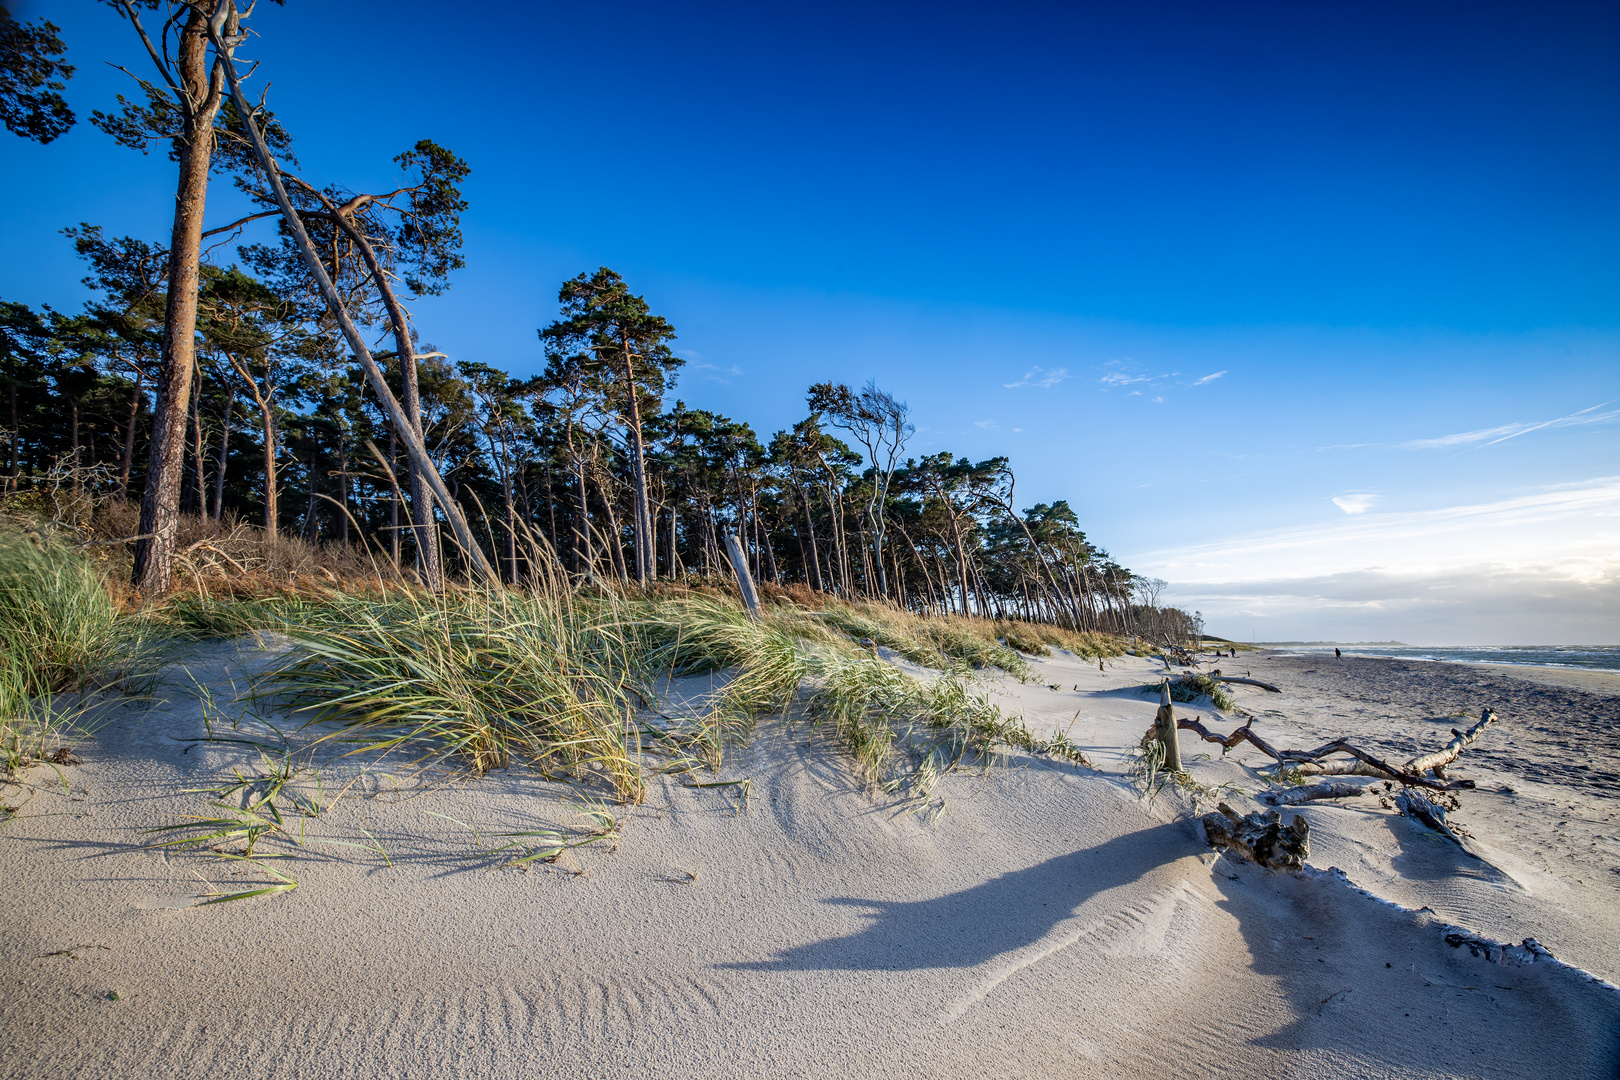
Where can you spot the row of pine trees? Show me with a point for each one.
(242, 388)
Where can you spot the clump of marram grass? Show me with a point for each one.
(788, 657)
(62, 632)
(565, 682)
(1189, 686)
(484, 677)
(1195, 684)
(61, 628)
(1022, 638)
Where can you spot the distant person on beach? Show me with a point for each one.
(1338, 654)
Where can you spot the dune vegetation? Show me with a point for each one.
(554, 676)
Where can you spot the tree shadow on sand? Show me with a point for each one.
(1009, 912)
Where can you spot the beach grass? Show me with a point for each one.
(64, 636)
(559, 679)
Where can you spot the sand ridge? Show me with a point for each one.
(1045, 925)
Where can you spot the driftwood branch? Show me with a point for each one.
(1246, 682)
(1460, 741)
(1307, 761)
(1295, 796)
(1242, 734)
(1261, 837)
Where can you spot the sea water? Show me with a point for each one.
(1602, 657)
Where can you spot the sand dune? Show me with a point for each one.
(1049, 923)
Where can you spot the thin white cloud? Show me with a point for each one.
(1565, 521)
(714, 373)
(1358, 503)
(1208, 378)
(1502, 432)
(1039, 377)
(1119, 378)
(986, 425)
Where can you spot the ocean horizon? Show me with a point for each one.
(1590, 657)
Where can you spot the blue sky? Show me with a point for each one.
(1313, 310)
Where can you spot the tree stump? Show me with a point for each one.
(1164, 726)
(1262, 837)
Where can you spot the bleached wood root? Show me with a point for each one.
(1262, 837)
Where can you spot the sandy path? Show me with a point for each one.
(1048, 924)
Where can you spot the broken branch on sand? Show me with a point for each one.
(1246, 682)
(1295, 796)
(1309, 761)
(1460, 741)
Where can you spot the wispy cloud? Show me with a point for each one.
(1040, 377)
(986, 425)
(1119, 378)
(1537, 567)
(1567, 518)
(1490, 436)
(1355, 504)
(717, 374)
(1208, 378)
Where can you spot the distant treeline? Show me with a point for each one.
(256, 388)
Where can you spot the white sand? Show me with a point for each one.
(1048, 924)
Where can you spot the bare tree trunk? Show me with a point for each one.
(200, 480)
(271, 511)
(638, 474)
(393, 502)
(814, 561)
(224, 446)
(14, 479)
(343, 489)
(73, 405)
(160, 500)
(414, 447)
(128, 459)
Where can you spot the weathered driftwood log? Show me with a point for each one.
(1368, 765)
(1246, 682)
(1164, 725)
(1460, 740)
(1261, 837)
(1295, 796)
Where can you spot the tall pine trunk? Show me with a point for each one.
(160, 501)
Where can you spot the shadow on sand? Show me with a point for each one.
(967, 928)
